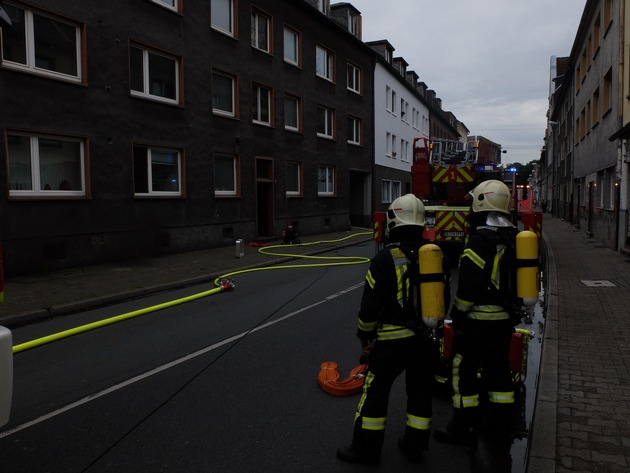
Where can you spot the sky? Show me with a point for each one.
(488, 60)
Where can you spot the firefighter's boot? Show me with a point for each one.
(461, 429)
(413, 443)
(365, 448)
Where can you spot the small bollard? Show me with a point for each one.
(240, 248)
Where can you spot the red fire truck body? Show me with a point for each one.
(443, 173)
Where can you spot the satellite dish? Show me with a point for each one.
(5, 21)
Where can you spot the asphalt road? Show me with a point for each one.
(222, 384)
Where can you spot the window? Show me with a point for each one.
(386, 191)
(404, 150)
(396, 190)
(225, 175)
(223, 94)
(45, 165)
(293, 178)
(596, 34)
(324, 65)
(608, 15)
(170, 4)
(325, 180)
(354, 78)
(390, 100)
(291, 46)
(154, 75)
(325, 122)
(261, 101)
(404, 111)
(390, 190)
(42, 44)
(261, 26)
(222, 16)
(608, 93)
(292, 113)
(595, 107)
(353, 24)
(156, 171)
(390, 145)
(354, 130)
(322, 5)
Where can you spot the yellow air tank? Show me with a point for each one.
(527, 267)
(431, 285)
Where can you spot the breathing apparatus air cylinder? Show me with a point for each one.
(431, 285)
(527, 267)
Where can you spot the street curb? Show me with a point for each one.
(542, 445)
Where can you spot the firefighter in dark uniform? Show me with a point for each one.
(482, 317)
(394, 339)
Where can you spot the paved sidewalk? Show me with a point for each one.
(582, 415)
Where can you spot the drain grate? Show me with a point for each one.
(598, 283)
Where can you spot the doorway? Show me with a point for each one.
(264, 198)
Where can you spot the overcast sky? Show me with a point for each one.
(488, 60)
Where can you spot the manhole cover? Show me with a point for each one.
(599, 283)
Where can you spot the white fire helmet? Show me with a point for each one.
(405, 210)
(491, 196)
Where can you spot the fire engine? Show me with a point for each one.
(443, 172)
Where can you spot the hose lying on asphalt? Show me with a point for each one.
(328, 379)
(222, 283)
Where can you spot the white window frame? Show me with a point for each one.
(353, 24)
(325, 175)
(169, 4)
(406, 151)
(354, 78)
(260, 94)
(256, 18)
(147, 53)
(396, 190)
(215, 12)
(298, 178)
(390, 100)
(297, 106)
(404, 111)
(149, 168)
(36, 169)
(31, 58)
(354, 130)
(292, 44)
(233, 191)
(386, 191)
(220, 111)
(390, 190)
(324, 63)
(393, 105)
(328, 123)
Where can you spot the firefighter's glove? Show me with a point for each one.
(459, 319)
(366, 350)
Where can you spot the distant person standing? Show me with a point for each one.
(543, 204)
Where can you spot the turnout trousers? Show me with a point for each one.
(417, 357)
(483, 349)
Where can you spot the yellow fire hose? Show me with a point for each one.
(222, 283)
